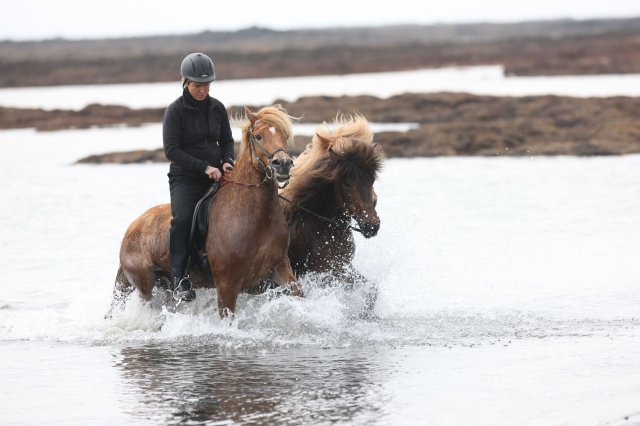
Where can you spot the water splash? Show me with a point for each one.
(330, 316)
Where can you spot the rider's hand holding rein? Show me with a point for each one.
(215, 174)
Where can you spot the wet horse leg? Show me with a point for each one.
(355, 279)
(284, 276)
(142, 277)
(227, 297)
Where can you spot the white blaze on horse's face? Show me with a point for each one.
(272, 130)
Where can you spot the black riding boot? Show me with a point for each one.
(183, 290)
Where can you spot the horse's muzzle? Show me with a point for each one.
(370, 229)
(282, 166)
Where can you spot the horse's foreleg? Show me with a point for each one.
(227, 298)
(283, 275)
(356, 279)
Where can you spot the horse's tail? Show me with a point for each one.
(121, 284)
(122, 288)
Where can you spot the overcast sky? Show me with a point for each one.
(73, 19)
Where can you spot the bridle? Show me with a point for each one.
(343, 225)
(266, 168)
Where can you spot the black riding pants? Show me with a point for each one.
(185, 191)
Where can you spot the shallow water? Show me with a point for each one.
(540, 382)
(508, 294)
(508, 287)
(480, 80)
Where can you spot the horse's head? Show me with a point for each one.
(267, 135)
(335, 174)
(355, 166)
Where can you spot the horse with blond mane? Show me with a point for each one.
(331, 184)
(247, 239)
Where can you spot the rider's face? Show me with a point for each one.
(199, 91)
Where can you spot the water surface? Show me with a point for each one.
(479, 80)
(508, 287)
(508, 294)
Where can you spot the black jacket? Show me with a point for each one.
(196, 134)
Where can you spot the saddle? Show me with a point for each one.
(198, 237)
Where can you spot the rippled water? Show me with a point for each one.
(508, 287)
(508, 294)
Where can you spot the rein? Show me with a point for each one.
(319, 216)
(226, 179)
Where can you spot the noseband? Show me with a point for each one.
(266, 168)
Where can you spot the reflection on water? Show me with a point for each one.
(190, 382)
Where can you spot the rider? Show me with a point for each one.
(198, 142)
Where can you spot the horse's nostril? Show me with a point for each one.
(371, 229)
(282, 163)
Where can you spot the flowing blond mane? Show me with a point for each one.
(349, 138)
(348, 129)
(275, 116)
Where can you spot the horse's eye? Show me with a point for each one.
(347, 184)
(258, 137)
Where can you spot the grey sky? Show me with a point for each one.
(38, 19)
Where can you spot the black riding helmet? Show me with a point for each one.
(198, 67)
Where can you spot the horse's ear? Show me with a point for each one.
(251, 116)
(324, 141)
(334, 157)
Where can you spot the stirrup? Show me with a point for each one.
(186, 293)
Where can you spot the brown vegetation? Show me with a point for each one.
(450, 124)
(93, 115)
(462, 124)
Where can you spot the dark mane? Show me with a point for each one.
(347, 151)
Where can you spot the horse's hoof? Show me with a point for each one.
(267, 285)
(291, 291)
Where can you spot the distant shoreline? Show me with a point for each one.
(451, 124)
(560, 47)
(461, 124)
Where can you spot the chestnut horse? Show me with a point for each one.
(332, 178)
(247, 238)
